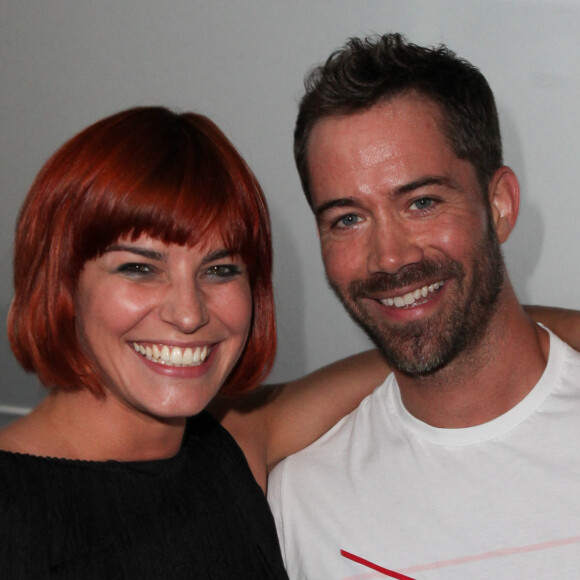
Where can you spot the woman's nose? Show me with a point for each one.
(185, 307)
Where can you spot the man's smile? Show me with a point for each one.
(411, 298)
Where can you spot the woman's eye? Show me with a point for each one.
(223, 270)
(423, 203)
(135, 268)
(347, 221)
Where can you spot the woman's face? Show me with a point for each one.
(165, 323)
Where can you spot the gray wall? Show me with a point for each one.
(67, 63)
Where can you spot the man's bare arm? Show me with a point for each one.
(563, 322)
(277, 420)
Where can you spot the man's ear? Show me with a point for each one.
(504, 200)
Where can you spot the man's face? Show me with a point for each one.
(406, 235)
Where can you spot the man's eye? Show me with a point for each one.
(423, 203)
(347, 221)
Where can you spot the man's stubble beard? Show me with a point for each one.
(421, 347)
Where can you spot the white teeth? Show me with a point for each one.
(187, 356)
(411, 297)
(173, 356)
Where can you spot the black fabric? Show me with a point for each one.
(198, 515)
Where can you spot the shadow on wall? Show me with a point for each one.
(523, 249)
(525, 243)
(289, 293)
(18, 388)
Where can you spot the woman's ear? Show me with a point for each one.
(504, 200)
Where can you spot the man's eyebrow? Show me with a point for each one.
(340, 202)
(422, 182)
(398, 191)
(144, 252)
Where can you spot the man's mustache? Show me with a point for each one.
(427, 271)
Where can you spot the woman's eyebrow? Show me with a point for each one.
(218, 255)
(144, 252)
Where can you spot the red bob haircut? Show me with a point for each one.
(147, 170)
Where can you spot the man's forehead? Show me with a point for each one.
(393, 147)
(402, 131)
(373, 131)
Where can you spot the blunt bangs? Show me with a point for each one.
(176, 185)
(175, 177)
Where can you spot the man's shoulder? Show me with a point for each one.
(564, 362)
(564, 358)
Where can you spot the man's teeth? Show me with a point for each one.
(173, 355)
(412, 297)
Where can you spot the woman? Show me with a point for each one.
(142, 288)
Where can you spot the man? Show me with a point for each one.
(465, 462)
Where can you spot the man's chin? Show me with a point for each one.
(416, 362)
(416, 349)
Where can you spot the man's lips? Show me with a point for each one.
(410, 298)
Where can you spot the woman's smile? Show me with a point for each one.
(174, 356)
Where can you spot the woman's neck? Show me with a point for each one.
(79, 425)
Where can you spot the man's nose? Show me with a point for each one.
(392, 246)
(185, 308)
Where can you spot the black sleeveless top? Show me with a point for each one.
(199, 515)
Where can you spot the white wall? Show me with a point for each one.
(67, 63)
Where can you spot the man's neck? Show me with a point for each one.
(486, 381)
